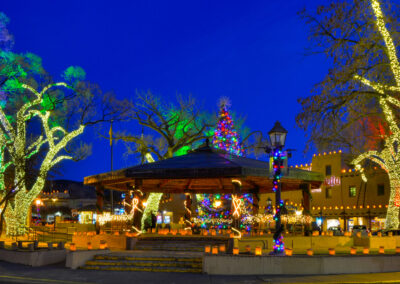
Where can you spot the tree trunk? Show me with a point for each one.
(152, 208)
(16, 220)
(392, 214)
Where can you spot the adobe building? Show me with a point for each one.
(343, 199)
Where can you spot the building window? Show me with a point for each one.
(381, 189)
(328, 192)
(328, 170)
(352, 191)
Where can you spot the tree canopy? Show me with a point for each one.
(338, 113)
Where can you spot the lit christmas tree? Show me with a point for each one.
(225, 136)
(213, 209)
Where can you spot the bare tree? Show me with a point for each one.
(339, 114)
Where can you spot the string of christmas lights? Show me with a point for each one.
(278, 157)
(388, 157)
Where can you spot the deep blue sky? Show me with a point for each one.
(250, 51)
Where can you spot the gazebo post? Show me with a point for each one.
(256, 207)
(138, 214)
(188, 211)
(99, 205)
(236, 206)
(306, 190)
(128, 201)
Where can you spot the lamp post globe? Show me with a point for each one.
(277, 135)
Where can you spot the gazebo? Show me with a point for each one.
(204, 170)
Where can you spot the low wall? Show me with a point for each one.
(301, 265)
(303, 243)
(33, 258)
(113, 242)
(375, 242)
(76, 227)
(76, 259)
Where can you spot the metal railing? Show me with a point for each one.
(43, 234)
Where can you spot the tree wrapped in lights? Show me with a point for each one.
(388, 157)
(24, 109)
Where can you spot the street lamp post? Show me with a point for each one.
(38, 203)
(277, 137)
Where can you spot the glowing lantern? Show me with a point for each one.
(116, 233)
(214, 250)
(358, 234)
(258, 251)
(310, 252)
(207, 249)
(213, 232)
(366, 251)
(397, 249)
(103, 244)
(72, 247)
(248, 248)
(205, 233)
(289, 252)
(153, 230)
(381, 250)
(236, 251)
(353, 250)
(379, 234)
(322, 233)
(222, 248)
(331, 251)
(261, 233)
(89, 246)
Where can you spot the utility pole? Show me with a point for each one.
(111, 152)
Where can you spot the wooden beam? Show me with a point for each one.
(162, 184)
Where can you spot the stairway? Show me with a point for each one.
(191, 244)
(158, 254)
(146, 263)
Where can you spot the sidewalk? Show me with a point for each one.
(14, 273)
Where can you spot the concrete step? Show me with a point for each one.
(144, 269)
(177, 244)
(145, 263)
(151, 258)
(169, 248)
(154, 263)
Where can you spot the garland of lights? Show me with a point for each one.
(106, 217)
(13, 140)
(278, 156)
(388, 157)
(237, 204)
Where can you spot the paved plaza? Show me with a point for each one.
(14, 273)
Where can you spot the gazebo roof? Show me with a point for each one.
(205, 169)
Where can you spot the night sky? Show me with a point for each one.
(253, 53)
